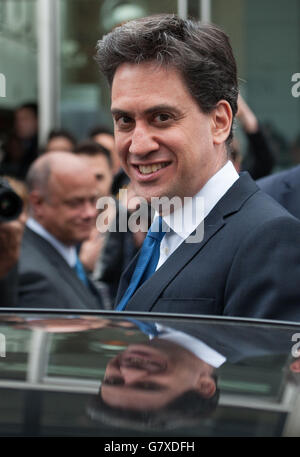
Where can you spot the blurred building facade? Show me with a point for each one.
(53, 53)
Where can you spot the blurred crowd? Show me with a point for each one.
(54, 253)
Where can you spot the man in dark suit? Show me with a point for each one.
(62, 194)
(174, 97)
(284, 187)
(10, 243)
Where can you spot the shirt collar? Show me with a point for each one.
(197, 347)
(67, 252)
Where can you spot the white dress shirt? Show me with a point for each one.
(194, 345)
(67, 252)
(184, 220)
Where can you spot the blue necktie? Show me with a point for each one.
(146, 327)
(80, 272)
(147, 261)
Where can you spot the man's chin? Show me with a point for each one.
(78, 238)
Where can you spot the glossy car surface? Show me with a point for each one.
(124, 374)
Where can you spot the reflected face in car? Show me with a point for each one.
(149, 376)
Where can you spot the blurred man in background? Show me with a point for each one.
(284, 187)
(99, 161)
(60, 140)
(12, 221)
(105, 138)
(21, 147)
(62, 195)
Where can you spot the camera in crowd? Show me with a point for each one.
(10, 203)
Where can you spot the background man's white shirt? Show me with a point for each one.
(67, 252)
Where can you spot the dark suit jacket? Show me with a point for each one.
(47, 281)
(238, 341)
(285, 188)
(248, 263)
(9, 288)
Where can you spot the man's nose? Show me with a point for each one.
(143, 141)
(89, 210)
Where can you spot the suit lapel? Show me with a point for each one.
(289, 192)
(146, 296)
(77, 285)
(63, 269)
(126, 277)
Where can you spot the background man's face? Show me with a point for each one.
(149, 376)
(108, 142)
(102, 171)
(26, 123)
(69, 212)
(164, 140)
(60, 143)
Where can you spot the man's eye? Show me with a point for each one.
(162, 117)
(123, 121)
(93, 200)
(113, 381)
(73, 203)
(147, 385)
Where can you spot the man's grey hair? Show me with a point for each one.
(38, 176)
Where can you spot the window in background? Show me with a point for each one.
(84, 94)
(18, 58)
(266, 41)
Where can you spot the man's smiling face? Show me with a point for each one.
(165, 142)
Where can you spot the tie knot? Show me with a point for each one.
(157, 229)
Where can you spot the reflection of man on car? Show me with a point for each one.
(170, 380)
(154, 384)
(152, 374)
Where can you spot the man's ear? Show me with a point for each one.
(206, 386)
(295, 366)
(221, 122)
(36, 201)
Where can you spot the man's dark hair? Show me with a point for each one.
(57, 133)
(32, 106)
(200, 52)
(92, 148)
(99, 130)
(187, 410)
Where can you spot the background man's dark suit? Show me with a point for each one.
(285, 188)
(47, 281)
(248, 263)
